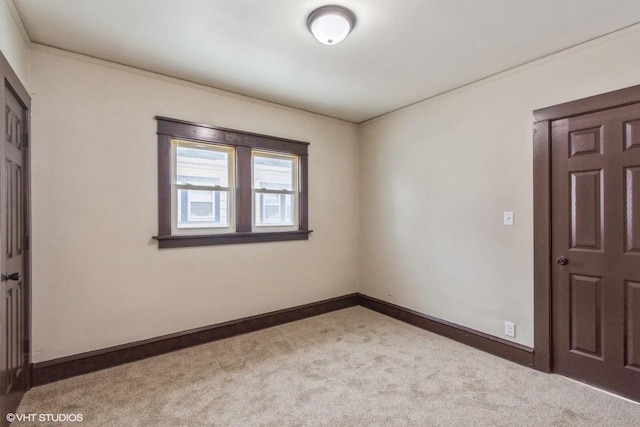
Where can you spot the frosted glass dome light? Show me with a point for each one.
(331, 24)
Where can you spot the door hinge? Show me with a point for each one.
(26, 242)
(26, 345)
(25, 140)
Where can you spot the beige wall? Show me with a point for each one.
(436, 177)
(12, 44)
(434, 180)
(98, 278)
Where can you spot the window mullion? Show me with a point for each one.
(243, 189)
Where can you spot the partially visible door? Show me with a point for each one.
(596, 248)
(14, 333)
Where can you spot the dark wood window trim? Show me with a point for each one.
(243, 142)
(542, 317)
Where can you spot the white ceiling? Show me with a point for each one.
(400, 52)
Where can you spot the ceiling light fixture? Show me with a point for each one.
(331, 24)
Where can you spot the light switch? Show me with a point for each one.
(508, 218)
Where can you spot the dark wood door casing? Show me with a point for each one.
(15, 291)
(601, 162)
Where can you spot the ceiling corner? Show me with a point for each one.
(18, 19)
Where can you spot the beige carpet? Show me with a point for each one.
(353, 367)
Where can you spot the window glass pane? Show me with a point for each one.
(272, 173)
(274, 209)
(201, 205)
(202, 166)
(202, 208)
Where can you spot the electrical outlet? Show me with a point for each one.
(510, 329)
(389, 290)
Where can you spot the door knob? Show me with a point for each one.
(562, 260)
(6, 277)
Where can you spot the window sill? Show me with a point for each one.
(183, 241)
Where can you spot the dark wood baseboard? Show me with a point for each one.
(84, 363)
(508, 350)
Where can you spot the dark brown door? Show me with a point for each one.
(13, 321)
(596, 248)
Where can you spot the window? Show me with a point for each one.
(202, 189)
(220, 186)
(274, 189)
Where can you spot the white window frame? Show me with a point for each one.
(175, 187)
(294, 192)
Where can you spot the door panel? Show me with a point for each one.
(632, 327)
(596, 225)
(586, 205)
(586, 327)
(632, 210)
(13, 322)
(632, 134)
